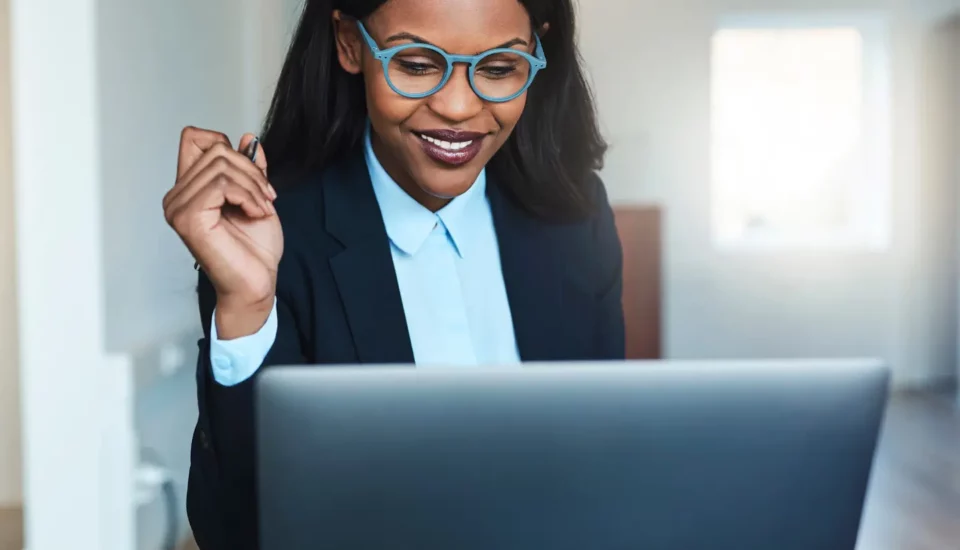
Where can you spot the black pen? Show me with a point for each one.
(250, 153)
(253, 149)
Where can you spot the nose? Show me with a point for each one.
(457, 101)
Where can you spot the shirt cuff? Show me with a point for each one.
(235, 361)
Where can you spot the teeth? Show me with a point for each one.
(454, 146)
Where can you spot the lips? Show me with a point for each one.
(451, 147)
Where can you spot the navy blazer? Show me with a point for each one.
(339, 303)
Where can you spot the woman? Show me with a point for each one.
(438, 205)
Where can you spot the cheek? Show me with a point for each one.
(508, 114)
(383, 104)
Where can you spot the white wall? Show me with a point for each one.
(939, 114)
(60, 307)
(274, 22)
(650, 62)
(954, 97)
(9, 354)
(943, 74)
(162, 66)
(102, 89)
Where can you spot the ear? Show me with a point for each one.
(349, 43)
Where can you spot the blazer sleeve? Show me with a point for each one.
(226, 420)
(610, 334)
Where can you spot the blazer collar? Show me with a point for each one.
(531, 256)
(363, 270)
(532, 260)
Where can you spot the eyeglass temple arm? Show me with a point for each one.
(540, 55)
(366, 36)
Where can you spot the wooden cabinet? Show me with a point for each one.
(641, 236)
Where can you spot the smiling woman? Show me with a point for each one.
(431, 200)
(321, 106)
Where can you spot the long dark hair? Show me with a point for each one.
(318, 113)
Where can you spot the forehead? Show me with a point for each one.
(458, 26)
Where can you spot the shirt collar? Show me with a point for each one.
(409, 223)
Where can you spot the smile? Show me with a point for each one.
(451, 148)
(454, 146)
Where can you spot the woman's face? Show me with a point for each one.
(406, 131)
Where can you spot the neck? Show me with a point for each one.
(406, 182)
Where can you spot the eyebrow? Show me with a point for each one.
(420, 40)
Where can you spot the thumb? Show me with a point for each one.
(247, 143)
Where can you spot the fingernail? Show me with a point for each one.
(271, 208)
(272, 190)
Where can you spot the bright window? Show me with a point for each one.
(800, 134)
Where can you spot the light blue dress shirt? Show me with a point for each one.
(451, 284)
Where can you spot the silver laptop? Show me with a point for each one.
(771, 455)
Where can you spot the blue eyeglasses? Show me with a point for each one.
(420, 70)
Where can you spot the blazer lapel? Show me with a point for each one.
(364, 271)
(540, 302)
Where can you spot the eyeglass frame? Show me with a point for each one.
(537, 64)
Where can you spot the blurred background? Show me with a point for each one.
(785, 175)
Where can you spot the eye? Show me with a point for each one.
(416, 67)
(498, 71)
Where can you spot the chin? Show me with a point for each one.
(448, 184)
(445, 190)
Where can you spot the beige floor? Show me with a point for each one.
(11, 532)
(914, 498)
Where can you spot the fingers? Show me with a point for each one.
(212, 175)
(226, 191)
(194, 142)
(221, 154)
(215, 173)
(219, 192)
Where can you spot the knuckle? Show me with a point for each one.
(178, 221)
(220, 164)
(186, 224)
(220, 147)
